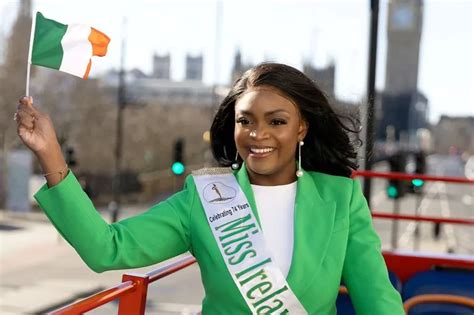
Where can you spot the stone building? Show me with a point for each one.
(323, 77)
(194, 67)
(161, 67)
(454, 132)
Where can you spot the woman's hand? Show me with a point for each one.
(35, 129)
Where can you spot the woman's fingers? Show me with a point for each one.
(26, 114)
(26, 105)
(26, 108)
(23, 131)
(27, 123)
(26, 100)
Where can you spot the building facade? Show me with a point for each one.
(454, 133)
(161, 67)
(194, 67)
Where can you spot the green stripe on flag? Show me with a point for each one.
(47, 50)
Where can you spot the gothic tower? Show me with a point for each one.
(403, 48)
(402, 108)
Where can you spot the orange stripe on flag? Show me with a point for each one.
(99, 42)
(86, 75)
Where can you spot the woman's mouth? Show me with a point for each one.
(260, 152)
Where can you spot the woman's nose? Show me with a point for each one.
(258, 133)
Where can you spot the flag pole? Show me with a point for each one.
(28, 66)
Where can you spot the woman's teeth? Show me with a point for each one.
(260, 151)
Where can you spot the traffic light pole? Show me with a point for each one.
(369, 135)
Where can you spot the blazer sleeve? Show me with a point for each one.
(364, 272)
(148, 238)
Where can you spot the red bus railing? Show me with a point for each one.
(132, 291)
(421, 218)
(403, 176)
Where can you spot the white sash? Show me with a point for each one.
(242, 245)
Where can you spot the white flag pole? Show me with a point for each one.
(28, 66)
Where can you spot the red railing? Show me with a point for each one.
(132, 291)
(403, 176)
(421, 218)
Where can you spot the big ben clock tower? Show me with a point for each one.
(403, 48)
(403, 108)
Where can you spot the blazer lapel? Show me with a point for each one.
(313, 224)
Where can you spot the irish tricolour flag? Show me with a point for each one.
(67, 48)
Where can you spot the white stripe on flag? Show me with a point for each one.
(77, 49)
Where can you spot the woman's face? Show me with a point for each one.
(267, 130)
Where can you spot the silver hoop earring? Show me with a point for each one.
(236, 165)
(299, 172)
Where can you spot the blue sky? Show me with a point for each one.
(285, 31)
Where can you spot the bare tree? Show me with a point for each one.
(12, 83)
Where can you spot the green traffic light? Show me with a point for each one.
(177, 168)
(417, 182)
(392, 191)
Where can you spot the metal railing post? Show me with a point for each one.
(135, 301)
(396, 211)
(417, 232)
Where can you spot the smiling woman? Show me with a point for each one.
(275, 236)
(268, 128)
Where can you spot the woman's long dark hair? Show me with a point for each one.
(327, 146)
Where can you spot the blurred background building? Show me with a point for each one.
(161, 67)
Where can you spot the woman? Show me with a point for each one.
(275, 233)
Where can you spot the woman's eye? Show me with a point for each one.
(278, 122)
(243, 121)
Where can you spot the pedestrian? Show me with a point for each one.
(274, 229)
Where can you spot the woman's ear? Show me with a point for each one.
(303, 129)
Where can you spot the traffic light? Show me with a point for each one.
(417, 184)
(396, 188)
(177, 167)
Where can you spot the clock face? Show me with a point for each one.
(403, 17)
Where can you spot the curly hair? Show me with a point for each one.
(328, 148)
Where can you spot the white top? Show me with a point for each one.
(276, 208)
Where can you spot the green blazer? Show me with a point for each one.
(334, 239)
